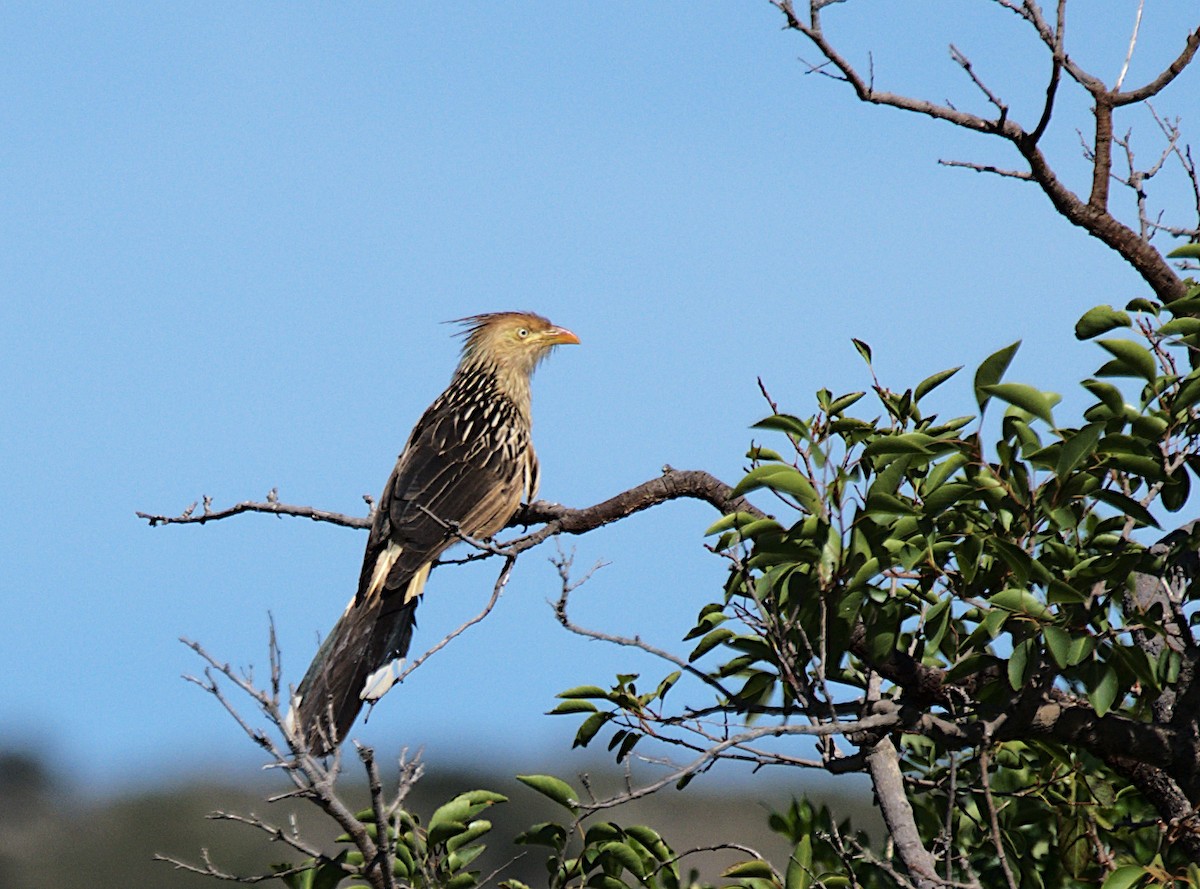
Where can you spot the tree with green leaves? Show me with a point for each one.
(988, 609)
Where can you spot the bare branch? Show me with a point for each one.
(497, 589)
(673, 484)
(382, 864)
(277, 834)
(883, 763)
(208, 869)
(188, 516)
(1057, 58)
(1137, 24)
(1091, 215)
(960, 58)
(1156, 86)
(985, 763)
(988, 168)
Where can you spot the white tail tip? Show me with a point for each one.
(291, 727)
(379, 682)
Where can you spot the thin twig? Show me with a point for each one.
(497, 589)
(1137, 24)
(985, 764)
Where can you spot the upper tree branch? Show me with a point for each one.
(1091, 215)
(1159, 83)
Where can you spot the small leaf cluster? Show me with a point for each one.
(625, 699)
(825, 853)
(425, 856)
(602, 855)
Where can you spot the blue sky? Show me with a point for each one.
(229, 234)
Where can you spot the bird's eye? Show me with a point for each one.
(522, 332)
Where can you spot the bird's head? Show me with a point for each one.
(513, 342)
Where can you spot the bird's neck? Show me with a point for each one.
(503, 380)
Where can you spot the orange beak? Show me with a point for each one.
(560, 336)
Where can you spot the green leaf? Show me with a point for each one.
(651, 839)
(588, 729)
(554, 788)
(863, 349)
(937, 620)
(460, 881)
(404, 859)
(783, 423)
(1180, 327)
(628, 858)
(1025, 397)
(755, 867)
(1020, 602)
(604, 881)
(904, 443)
(1068, 650)
(1175, 495)
(946, 496)
(573, 706)
(1077, 447)
(1124, 877)
(758, 452)
(931, 382)
(667, 683)
(1188, 393)
(1187, 251)
(547, 833)
(483, 797)
(844, 402)
(710, 616)
(450, 819)
(1074, 846)
(1109, 395)
(584, 691)
(1136, 359)
(474, 831)
(1188, 305)
(799, 870)
(1105, 692)
(1128, 506)
(456, 861)
(991, 371)
(1021, 664)
(727, 522)
(1098, 320)
(709, 642)
(756, 529)
(602, 832)
(783, 478)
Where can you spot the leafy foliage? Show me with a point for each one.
(1003, 608)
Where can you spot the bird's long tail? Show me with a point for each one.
(354, 664)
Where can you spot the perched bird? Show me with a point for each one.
(468, 465)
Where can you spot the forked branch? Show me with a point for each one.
(1092, 214)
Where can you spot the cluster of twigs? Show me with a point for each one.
(313, 778)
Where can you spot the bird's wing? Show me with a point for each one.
(455, 469)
